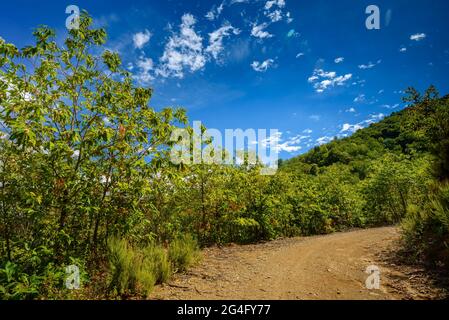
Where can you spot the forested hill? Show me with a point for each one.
(404, 132)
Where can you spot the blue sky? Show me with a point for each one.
(310, 69)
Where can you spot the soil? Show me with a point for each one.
(331, 267)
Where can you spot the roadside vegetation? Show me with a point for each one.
(86, 179)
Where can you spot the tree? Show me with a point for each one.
(80, 143)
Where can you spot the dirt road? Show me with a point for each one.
(320, 267)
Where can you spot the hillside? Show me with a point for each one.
(401, 133)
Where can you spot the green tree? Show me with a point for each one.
(79, 146)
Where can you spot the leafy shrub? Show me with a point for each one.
(426, 229)
(244, 230)
(393, 184)
(16, 283)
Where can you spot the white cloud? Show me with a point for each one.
(216, 39)
(287, 147)
(146, 66)
(372, 119)
(315, 117)
(403, 49)
(299, 55)
(215, 12)
(323, 140)
(308, 131)
(351, 110)
(323, 80)
(360, 98)
(140, 39)
(350, 127)
(183, 51)
(418, 36)
(278, 144)
(262, 66)
(270, 4)
(378, 116)
(387, 106)
(275, 16)
(258, 31)
(370, 65)
(273, 10)
(339, 60)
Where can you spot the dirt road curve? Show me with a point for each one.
(321, 267)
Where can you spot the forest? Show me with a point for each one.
(86, 179)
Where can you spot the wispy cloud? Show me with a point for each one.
(274, 10)
(146, 66)
(275, 16)
(140, 39)
(215, 12)
(360, 98)
(394, 106)
(339, 60)
(418, 36)
(273, 3)
(350, 128)
(216, 39)
(323, 80)
(262, 66)
(323, 140)
(183, 51)
(372, 119)
(370, 65)
(258, 31)
(278, 144)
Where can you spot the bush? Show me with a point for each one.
(157, 260)
(131, 272)
(426, 229)
(183, 253)
(124, 267)
(244, 230)
(135, 270)
(16, 283)
(394, 184)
